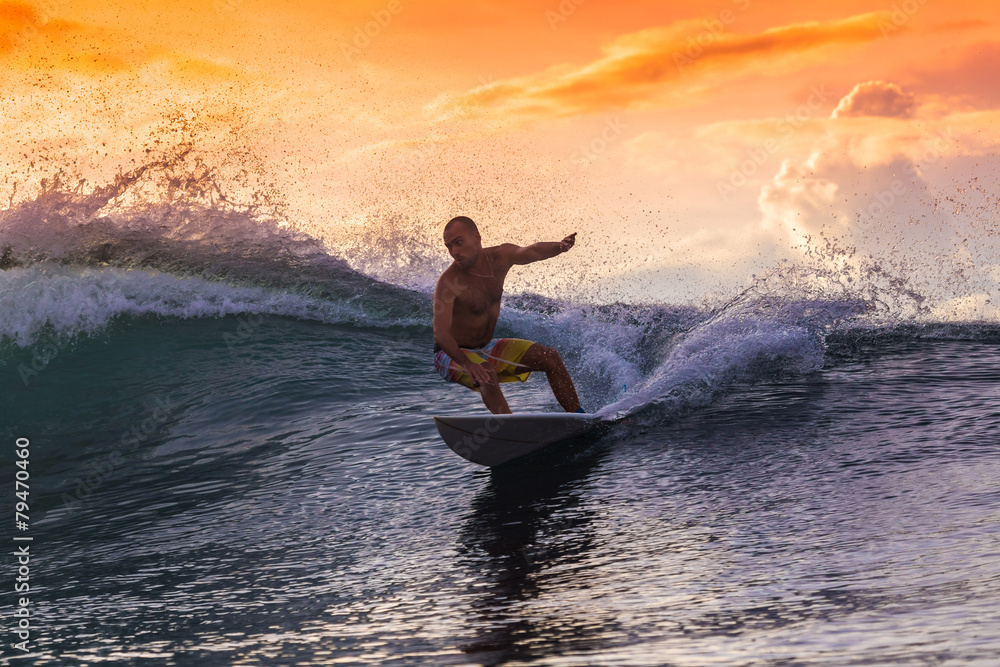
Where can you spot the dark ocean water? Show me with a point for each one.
(233, 461)
(226, 474)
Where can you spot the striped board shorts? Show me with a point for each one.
(503, 354)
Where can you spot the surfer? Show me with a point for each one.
(466, 308)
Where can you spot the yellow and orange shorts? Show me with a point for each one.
(502, 354)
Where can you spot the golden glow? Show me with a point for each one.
(527, 115)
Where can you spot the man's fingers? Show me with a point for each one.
(479, 375)
(485, 377)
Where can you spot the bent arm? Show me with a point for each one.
(444, 305)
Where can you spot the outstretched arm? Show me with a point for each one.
(538, 251)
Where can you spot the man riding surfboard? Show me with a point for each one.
(466, 308)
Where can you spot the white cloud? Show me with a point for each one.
(906, 217)
(876, 98)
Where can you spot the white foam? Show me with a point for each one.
(72, 300)
(746, 342)
(719, 354)
(669, 361)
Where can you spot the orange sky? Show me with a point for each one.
(690, 143)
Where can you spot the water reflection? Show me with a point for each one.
(527, 520)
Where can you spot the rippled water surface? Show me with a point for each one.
(288, 504)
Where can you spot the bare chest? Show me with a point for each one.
(479, 295)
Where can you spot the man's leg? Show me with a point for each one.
(542, 358)
(492, 395)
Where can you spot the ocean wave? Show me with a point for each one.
(72, 300)
(71, 262)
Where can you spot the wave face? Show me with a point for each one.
(164, 241)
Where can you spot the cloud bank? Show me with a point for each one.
(662, 67)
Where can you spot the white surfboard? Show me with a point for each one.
(490, 440)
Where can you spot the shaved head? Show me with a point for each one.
(461, 237)
(465, 222)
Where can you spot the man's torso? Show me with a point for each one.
(477, 300)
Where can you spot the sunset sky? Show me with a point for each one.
(691, 144)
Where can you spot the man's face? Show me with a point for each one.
(463, 245)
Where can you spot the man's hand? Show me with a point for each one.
(480, 374)
(567, 242)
